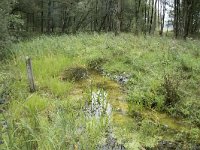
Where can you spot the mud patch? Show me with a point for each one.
(74, 74)
(97, 107)
(111, 144)
(177, 145)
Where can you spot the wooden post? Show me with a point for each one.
(30, 74)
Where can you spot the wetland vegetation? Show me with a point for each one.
(151, 85)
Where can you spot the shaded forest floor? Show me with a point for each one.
(152, 85)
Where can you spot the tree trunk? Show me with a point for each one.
(49, 17)
(137, 11)
(155, 16)
(151, 20)
(145, 18)
(42, 16)
(176, 17)
(187, 18)
(33, 19)
(27, 22)
(117, 17)
(163, 17)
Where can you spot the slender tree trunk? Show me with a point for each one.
(42, 16)
(137, 11)
(117, 17)
(163, 17)
(49, 17)
(52, 16)
(96, 15)
(64, 21)
(33, 19)
(176, 17)
(158, 12)
(151, 20)
(188, 6)
(148, 14)
(27, 22)
(145, 17)
(155, 16)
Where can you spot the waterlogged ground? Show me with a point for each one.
(124, 126)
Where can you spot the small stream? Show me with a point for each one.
(111, 97)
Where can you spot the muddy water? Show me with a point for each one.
(115, 94)
(117, 98)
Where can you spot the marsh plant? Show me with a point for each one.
(98, 105)
(60, 128)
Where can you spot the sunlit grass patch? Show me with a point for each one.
(33, 104)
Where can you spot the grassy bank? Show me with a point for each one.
(164, 76)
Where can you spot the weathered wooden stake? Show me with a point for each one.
(30, 74)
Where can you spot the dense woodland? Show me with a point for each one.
(68, 16)
(71, 16)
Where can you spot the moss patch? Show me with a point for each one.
(75, 74)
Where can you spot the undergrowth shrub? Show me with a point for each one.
(159, 95)
(96, 63)
(170, 90)
(190, 110)
(148, 128)
(185, 66)
(75, 74)
(191, 136)
(148, 131)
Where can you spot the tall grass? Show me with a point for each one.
(50, 119)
